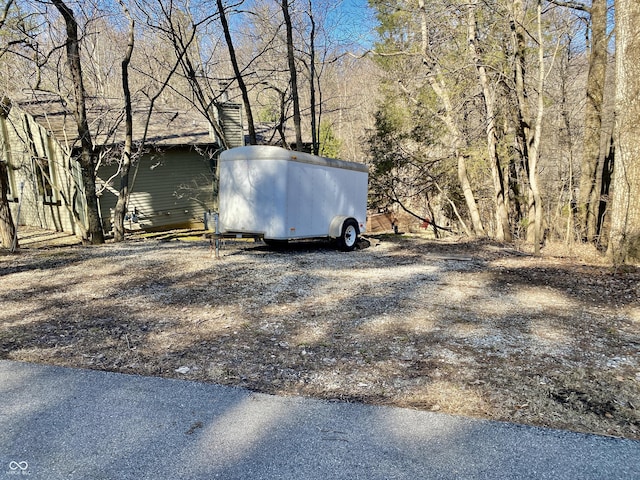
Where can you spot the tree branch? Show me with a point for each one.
(570, 4)
(5, 13)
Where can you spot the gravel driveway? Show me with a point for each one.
(469, 327)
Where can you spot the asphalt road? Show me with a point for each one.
(58, 423)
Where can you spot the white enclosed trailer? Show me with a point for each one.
(283, 195)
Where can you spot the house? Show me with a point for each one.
(172, 183)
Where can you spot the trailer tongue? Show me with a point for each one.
(280, 195)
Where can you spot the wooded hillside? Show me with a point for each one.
(513, 119)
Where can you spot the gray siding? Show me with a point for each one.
(171, 189)
(230, 118)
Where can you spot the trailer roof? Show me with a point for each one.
(269, 152)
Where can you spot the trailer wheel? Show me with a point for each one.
(349, 236)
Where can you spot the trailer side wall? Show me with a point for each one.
(287, 195)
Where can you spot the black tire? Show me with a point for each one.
(349, 236)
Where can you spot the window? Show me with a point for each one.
(5, 165)
(43, 173)
(5, 171)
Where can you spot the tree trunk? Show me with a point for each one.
(624, 241)
(455, 210)
(605, 189)
(434, 79)
(294, 75)
(503, 229)
(312, 82)
(94, 233)
(529, 131)
(7, 226)
(238, 74)
(470, 199)
(123, 194)
(589, 190)
(534, 147)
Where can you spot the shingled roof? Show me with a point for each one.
(168, 126)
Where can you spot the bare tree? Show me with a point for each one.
(177, 24)
(435, 79)
(8, 236)
(123, 193)
(594, 146)
(312, 81)
(529, 127)
(163, 78)
(3, 18)
(7, 226)
(86, 159)
(624, 242)
(238, 73)
(293, 72)
(503, 228)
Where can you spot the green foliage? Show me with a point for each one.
(330, 145)
(385, 143)
(402, 165)
(397, 32)
(395, 23)
(409, 129)
(268, 114)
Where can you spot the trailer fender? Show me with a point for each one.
(335, 229)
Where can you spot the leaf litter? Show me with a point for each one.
(468, 327)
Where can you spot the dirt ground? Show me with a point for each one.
(464, 327)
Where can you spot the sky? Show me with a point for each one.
(354, 22)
